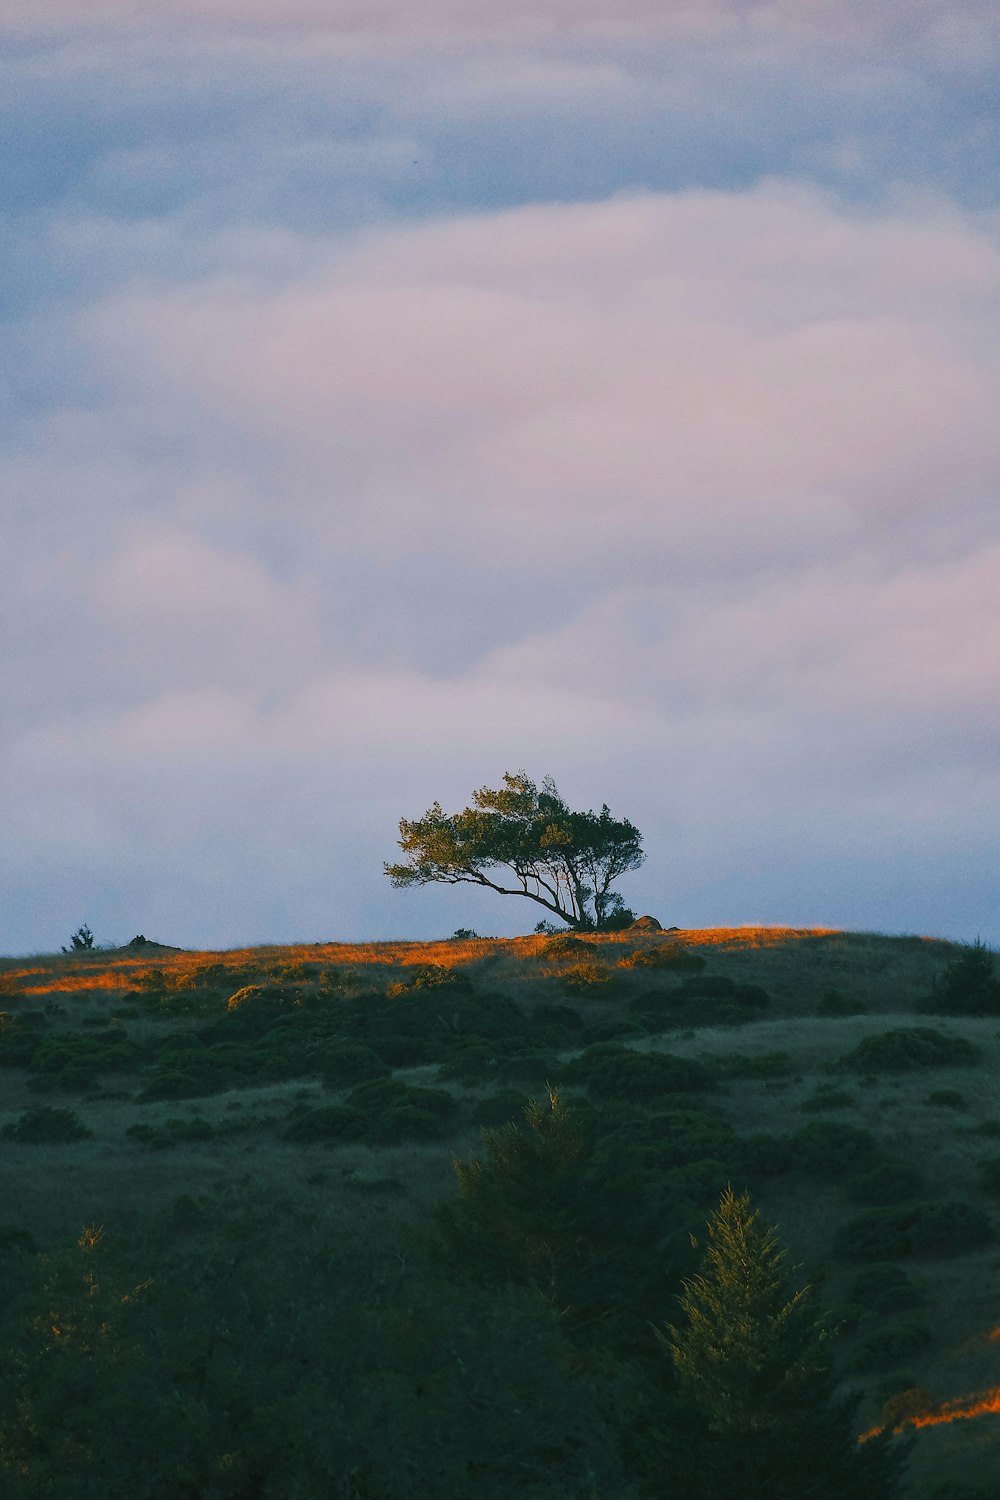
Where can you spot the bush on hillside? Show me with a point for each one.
(887, 1346)
(663, 955)
(909, 1048)
(39, 1127)
(886, 1183)
(609, 1071)
(833, 1004)
(942, 1228)
(831, 1150)
(884, 1284)
(969, 986)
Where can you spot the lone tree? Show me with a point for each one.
(565, 861)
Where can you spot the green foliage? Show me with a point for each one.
(826, 1097)
(38, 1127)
(350, 1063)
(909, 1048)
(233, 1354)
(886, 1183)
(938, 1227)
(608, 1071)
(565, 861)
(947, 1099)
(831, 1150)
(171, 1133)
(969, 986)
(989, 1175)
(885, 1284)
(889, 1345)
(750, 1355)
(330, 1122)
(833, 1003)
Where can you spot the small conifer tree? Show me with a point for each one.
(751, 1358)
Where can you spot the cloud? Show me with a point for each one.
(392, 410)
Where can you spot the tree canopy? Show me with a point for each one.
(522, 840)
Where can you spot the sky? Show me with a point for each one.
(393, 396)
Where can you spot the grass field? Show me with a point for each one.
(192, 1073)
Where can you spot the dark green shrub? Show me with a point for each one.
(765, 1155)
(609, 1071)
(17, 1241)
(39, 1126)
(941, 1228)
(496, 1109)
(885, 1183)
(989, 1175)
(349, 1063)
(989, 1128)
(947, 1099)
(824, 1098)
(910, 1048)
(833, 1003)
(395, 1111)
(887, 1346)
(330, 1122)
(763, 1065)
(610, 1028)
(165, 1083)
(526, 1067)
(832, 1150)
(885, 1284)
(718, 987)
(969, 986)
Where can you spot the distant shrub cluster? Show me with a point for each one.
(969, 986)
(908, 1048)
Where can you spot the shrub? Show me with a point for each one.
(395, 1111)
(349, 1063)
(39, 1126)
(330, 1122)
(833, 1003)
(969, 986)
(888, 1182)
(934, 1227)
(885, 1284)
(169, 1083)
(908, 1049)
(668, 955)
(763, 1065)
(609, 1071)
(581, 979)
(564, 942)
(947, 1099)
(989, 1175)
(887, 1346)
(496, 1109)
(832, 1149)
(826, 1098)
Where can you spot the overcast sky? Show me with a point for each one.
(395, 395)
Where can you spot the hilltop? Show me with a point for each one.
(343, 1079)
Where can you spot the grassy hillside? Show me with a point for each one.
(345, 1079)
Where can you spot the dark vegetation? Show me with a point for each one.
(391, 1222)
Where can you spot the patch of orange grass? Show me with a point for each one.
(112, 971)
(961, 1409)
